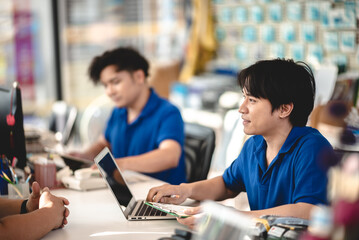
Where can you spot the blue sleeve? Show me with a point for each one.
(311, 178)
(108, 127)
(171, 127)
(232, 176)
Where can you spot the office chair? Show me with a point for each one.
(199, 147)
(94, 119)
(232, 139)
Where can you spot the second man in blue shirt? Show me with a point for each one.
(144, 132)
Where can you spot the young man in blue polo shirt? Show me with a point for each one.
(280, 165)
(144, 132)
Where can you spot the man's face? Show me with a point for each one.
(122, 87)
(257, 115)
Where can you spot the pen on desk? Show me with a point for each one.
(14, 162)
(12, 173)
(14, 176)
(6, 177)
(28, 178)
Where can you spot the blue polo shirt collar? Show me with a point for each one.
(293, 137)
(295, 134)
(150, 106)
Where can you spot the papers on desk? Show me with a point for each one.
(83, 179)
(175, 210)
(83, 184)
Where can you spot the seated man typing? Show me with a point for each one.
(279, 166)
(144, 132)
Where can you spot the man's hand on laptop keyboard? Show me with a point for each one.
(174, 194)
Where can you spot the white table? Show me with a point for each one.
(95, 214)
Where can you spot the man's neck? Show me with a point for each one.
(276, 141)
(135, 109)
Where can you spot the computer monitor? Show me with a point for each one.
(12, 136)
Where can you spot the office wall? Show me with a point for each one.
(26, 51)
(89, 27)
(311, 31)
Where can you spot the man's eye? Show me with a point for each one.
(252, 100)
(116, 81)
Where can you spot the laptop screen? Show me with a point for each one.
(114, 178)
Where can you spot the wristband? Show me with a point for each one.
(23, 207)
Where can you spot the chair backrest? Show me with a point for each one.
(94, 119)
(199, 147)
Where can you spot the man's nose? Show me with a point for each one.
(109, 90)
(242, 107)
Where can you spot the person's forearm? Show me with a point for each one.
(9, 207)
(300, 210)
(154, 161)
(165, 157)
(32, 225)
(212, 189)
(94, 149)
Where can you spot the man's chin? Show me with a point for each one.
(247, 132)
(120, 105)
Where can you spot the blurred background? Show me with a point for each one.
(195, 48)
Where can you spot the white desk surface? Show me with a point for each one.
(95, 214)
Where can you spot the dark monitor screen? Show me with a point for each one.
(12, 136)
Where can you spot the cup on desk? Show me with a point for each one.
(19, 190)
(45, 173)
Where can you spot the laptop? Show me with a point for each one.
(132, 209)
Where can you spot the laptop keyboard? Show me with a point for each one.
(145, 210)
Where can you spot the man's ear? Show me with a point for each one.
(139, 76)
(285, 110)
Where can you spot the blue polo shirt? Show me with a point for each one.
(158, 121)
(295, 175)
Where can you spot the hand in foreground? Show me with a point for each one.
(167, 193)
(191, 221)
(33, 202)
(94, 166)
(57, 206)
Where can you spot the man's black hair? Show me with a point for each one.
(123, 58)
(282, 81)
